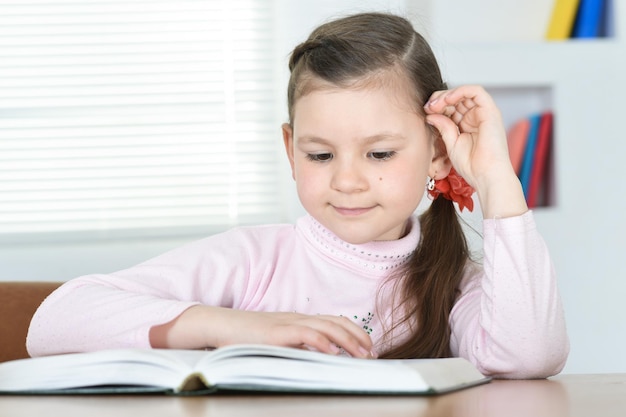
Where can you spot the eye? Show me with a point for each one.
(381, 156)
(320, 157)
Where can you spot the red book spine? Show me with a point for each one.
(538, 173)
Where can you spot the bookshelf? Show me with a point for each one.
(584, 82)
(483, 42)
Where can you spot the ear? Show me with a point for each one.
(440, 165)
(288, 140)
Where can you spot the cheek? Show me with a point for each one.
(403, 190)
(307, 179)
(408, 182)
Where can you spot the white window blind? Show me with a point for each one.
(136, 117)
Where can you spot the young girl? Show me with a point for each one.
(371, 125)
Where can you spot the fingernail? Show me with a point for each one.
(368, 354)
(431, 102)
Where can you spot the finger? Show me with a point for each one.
(459, 111)
(436, 95)
(457, 118)
(315, 340)
(465, 106)
(449, 111)
(362, 338)
(448, 130)
(436, 103)
(356, 330)
(325, 337)
(303, 337)
(470, 95)
(343, 332)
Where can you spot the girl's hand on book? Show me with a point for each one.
(324, 333)
(206, 326)
(471, 127)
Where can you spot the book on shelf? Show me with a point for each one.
(589, 19)
(607, 25)
(540, 162)
(529, 141)
(258, 368)
(529, 153)
(562, 19)
(516, 141)
(581, 19)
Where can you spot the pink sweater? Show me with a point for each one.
(508, 319)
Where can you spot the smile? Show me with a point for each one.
(355, 211)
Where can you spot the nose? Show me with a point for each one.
(349, 177)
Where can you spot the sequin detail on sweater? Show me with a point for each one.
(382, 257)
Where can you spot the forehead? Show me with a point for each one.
(346, 114)
(393, 80)
(368, 103)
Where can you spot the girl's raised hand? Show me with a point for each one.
(471, 127)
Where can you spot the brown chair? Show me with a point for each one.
(18, 302)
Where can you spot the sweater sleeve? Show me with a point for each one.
(118, 310)
(508, 319)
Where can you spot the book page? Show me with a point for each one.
(443, 374)
(289, 368)
(142, 367)
(353, 376)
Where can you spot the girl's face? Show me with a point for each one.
(360, 158)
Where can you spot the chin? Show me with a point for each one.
(356, 241)
(355, 238)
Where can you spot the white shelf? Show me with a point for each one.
(524, 63)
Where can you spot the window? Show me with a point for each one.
(136, 117)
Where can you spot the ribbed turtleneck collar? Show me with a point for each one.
(377, 258)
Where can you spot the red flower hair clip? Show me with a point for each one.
(453, 187)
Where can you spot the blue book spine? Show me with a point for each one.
(589, 19)
(529, 153)
(607, 27)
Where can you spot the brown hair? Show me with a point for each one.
(356, 49)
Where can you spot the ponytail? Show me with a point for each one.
(429, 284)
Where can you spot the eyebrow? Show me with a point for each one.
(368, 140)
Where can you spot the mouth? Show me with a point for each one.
(352, 211)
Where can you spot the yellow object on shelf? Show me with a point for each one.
(562, 20)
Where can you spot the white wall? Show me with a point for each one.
(584, 230)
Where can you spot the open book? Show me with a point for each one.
(237, 367)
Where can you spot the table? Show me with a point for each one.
(602, 395)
